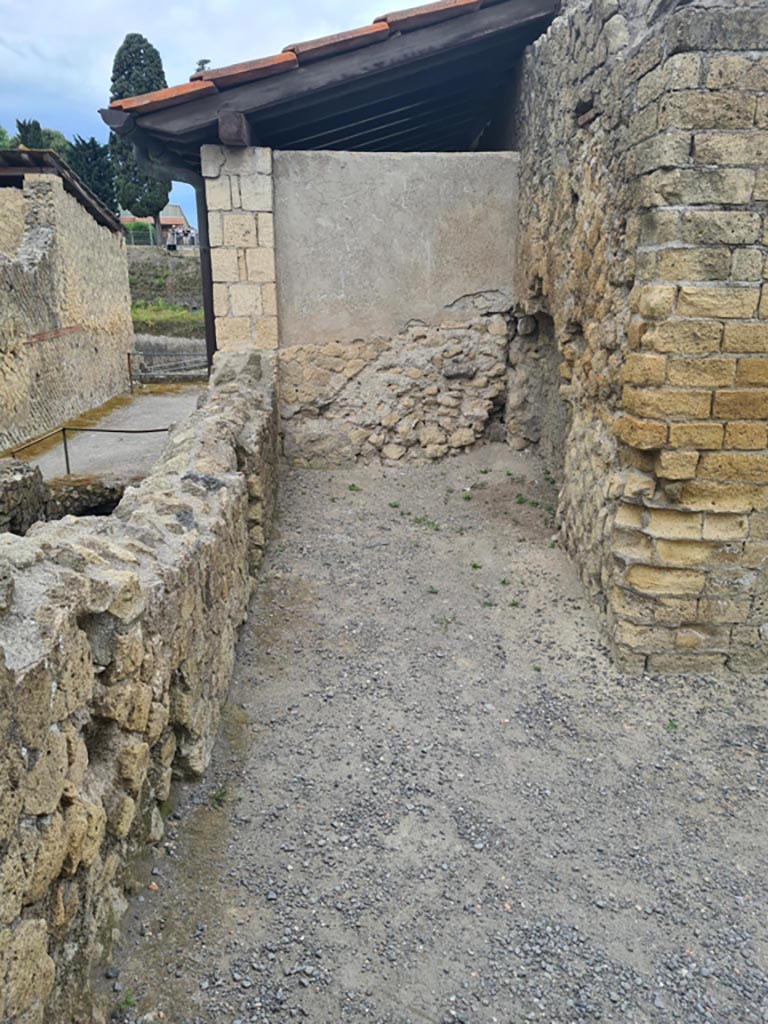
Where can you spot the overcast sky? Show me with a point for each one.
(56, 55)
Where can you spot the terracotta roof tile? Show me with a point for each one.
(206, 82)
(164, 97)
(419, 17)
(315, 49)
(248, 71)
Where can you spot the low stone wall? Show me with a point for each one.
(23, 496)
(118, 638)
(26, 498)
(432, 389)
(161, 357)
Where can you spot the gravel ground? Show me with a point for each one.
(434, 800)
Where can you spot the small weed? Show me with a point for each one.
(514, 604)
(671, 725)
(467, 496)
(537, 668)
(219, 796)
(445, 621)
(354, 488)
(476, 565)
(432, 590)
(127, 1002)
(449, 490)
(484, 471)
(424, 521)
(504, 582)
(489, 604)
(552, 544)
(478, 486)
(521, 499)
(394, 504)
(534, 504)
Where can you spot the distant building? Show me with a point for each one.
(173, 225)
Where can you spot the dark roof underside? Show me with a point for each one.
(433, 89)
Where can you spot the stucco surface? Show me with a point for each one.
(366, 242)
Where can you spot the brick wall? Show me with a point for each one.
(692, 541)
(644, 210)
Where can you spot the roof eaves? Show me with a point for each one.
(419, 17)
(172, 97)
(248, 71)
(204, 83)
(341, 42)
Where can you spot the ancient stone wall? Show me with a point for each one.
(394, 286)
(643, 206)
(118, 639)
(391, 314)
(23, 496)
(65, 326)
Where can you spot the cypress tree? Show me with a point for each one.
(137, 69)
(30, 134)
(92, 163)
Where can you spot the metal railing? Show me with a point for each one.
(85, 430)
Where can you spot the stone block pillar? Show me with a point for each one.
(643, 135)
(239, 193)
(691, 536)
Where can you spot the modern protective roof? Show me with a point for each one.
(16, 163)
(423, 78)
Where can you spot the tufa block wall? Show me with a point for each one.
(118, 640)
(644, 204)
(65, 320)
(238, 190)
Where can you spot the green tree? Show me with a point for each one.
(137, 69)
(30, 134)
(92, 163)
(56, 141)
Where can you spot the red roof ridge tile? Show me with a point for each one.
(418, 17)
(325, 46)
(173, 96)
(248, 71)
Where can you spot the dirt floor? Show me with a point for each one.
(434, 800)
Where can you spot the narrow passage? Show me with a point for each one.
(433, 799)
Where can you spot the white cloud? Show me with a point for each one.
(56, 55)
(59, 55)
